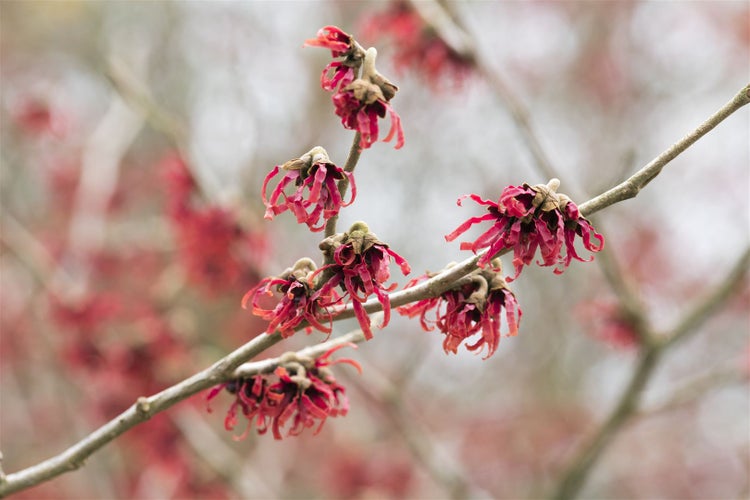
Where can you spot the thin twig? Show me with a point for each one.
(633, 185)
(628, 299)
(32, 253)
(268, 365)
(351, 164)
(223, 459)
(436, 462)
(695, 389)
(713, 301)
(439, 17)
(576, 474)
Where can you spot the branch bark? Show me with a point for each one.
(633, 185)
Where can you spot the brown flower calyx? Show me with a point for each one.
(300, 270)
(385, 89)
(307, 160)
(365, 91)
(547, 197)
(359, 236)
(484, 280)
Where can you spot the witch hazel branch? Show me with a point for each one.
(356, 264)
(469, 302)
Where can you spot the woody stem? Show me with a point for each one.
(343, 185)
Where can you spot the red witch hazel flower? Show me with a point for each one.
(313, 173)
(360, 101)
(359, 105)
(299, 302)
(473, 306)
(341, 45)
(301, 390)
(610, 323)
(359, 264)
(530, 217)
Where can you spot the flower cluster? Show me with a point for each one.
(529, 217)
(316, 195)
(417, 46)
(359, 102)
(300, 390)
(474, 305)
(299, 301)
(359, 265)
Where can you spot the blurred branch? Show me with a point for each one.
(696, 389)
(628, 299)
(224, 369)
(632, 186)
(226, 462)
(439, 16)
(575, 475)
(693, 320)
(573, 479)
(438, 464)
(29, 251)
(100, 165)
(137, 94)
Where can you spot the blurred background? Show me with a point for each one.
(135, 138)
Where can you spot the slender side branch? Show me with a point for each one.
(33, 255)
(438, 16)
(710, 304)
(576, 474)
(436, 462)
(695, 389)
(268, 365)
(628, 299)
(632, 186)
(351, 163)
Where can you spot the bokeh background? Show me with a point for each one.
(136, 135)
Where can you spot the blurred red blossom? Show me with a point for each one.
(217, 252)
(377, 472)
(417, 46)
(526, 218)
(473, 306)
(37, 116)
(312, 172)
(360, 266)
(86, 313)
(608, 322)
(300, 390)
